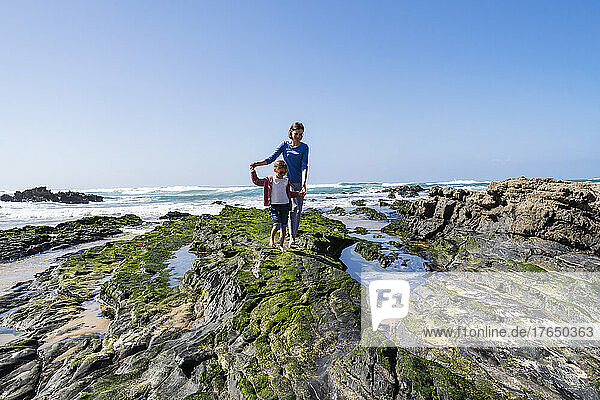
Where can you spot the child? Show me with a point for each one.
(277, 194)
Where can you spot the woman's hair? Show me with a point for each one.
(295, 125)
(280, 164)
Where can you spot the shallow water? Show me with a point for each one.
(181, 262)
(365, 271)
(8, 335)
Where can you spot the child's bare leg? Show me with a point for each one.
(282, 238)
(273, 233)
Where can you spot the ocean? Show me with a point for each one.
(150, 203)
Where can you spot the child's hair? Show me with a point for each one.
(295, 125)
(280, 164)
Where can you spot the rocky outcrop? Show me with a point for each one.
(21, 242)
(403, 191)
(175, 215)
(555, 210)
(41, 193)
(247, 322)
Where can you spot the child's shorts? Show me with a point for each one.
(280, 214)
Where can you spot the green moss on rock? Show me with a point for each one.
(360, 230)
(430, 380)
(337, 210)
(370, 213)
(396, 228)
(29, 240)
(402, 207)
(372, 251)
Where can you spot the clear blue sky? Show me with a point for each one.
(112, 93)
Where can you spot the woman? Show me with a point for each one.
(295, 155)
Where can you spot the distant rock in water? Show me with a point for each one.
(41, 193)
(403, 191)
(551, 209)
(175, 215)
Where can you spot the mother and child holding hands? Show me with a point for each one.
(285, 191)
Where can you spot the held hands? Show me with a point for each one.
(252, 166)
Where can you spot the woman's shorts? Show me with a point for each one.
(280, 214)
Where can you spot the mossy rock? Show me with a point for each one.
(358, 202)
(370, 213)
(402, 207)
(373, 251)
(396, 228)
(286, 319)
(430, 380)
(337, 210)
(360, 230)
(21, 242)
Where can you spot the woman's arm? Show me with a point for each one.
(304, 167)
(304, 179)
(258, 163)
(271, 158)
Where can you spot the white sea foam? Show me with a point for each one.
(152, 202)
(51, 214)
(460, 182)
(386, 184)
(324, 185)
(234, 189)
(148, 190)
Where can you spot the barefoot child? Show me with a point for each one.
(278, 195)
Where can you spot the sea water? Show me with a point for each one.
(150, 203)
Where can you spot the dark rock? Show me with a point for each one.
(370, 213)
(337, 210)
(517, 224)
(41, 193)
(550, 209)
(175, 215)
(360, 230)
(403, 191)
(358, 202)
(373, 251)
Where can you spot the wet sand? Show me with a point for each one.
(90, 321)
